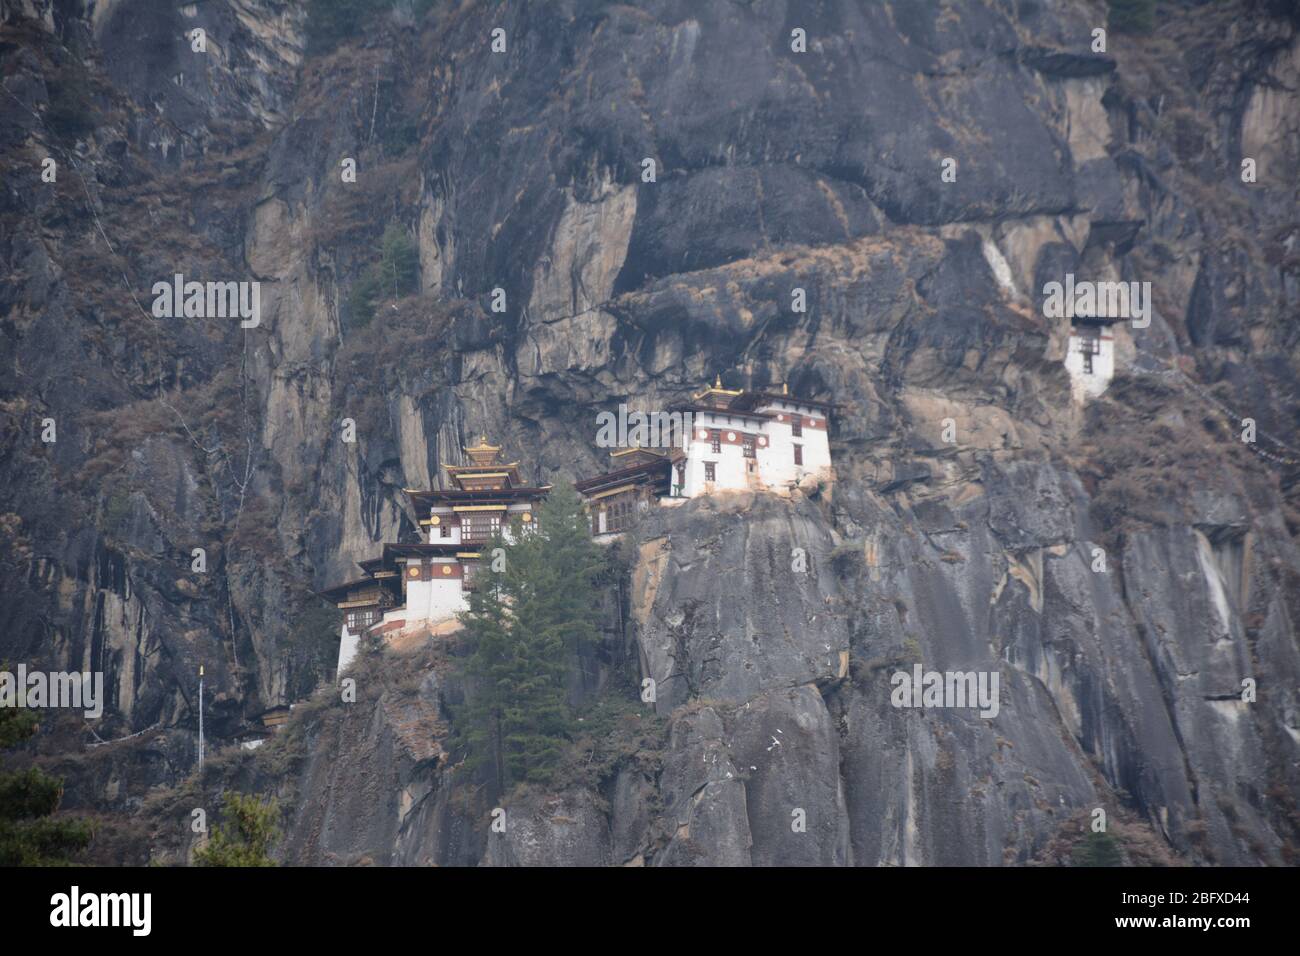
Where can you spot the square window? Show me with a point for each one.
(710, 471)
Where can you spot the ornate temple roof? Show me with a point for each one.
(716, 395)
(741, 401)
(483, 454)
(486, 473)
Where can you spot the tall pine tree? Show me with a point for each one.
(534, 609)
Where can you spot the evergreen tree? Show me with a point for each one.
(491, 665)
(361, 300)
(247, 839)
(399, 263)
(526, 622)
(28, 837)
(1098, 849)
(397, 273)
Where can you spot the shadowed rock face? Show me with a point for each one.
(1123, 568)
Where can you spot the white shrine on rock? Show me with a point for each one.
(1090, 357)
(761, 441)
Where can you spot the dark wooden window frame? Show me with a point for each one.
(479, 527)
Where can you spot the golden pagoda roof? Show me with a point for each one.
(716, 389)
(483, 453)
(483, 466)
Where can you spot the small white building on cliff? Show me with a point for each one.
(1090, 358)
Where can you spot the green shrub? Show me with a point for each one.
(398, 136)
(361, 301)
(29, 834)
(330, 22)
(1132, 16)
(1098, 849)
(68, 113)
(246, 838)
(117, 509)
(848, 559)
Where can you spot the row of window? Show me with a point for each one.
(747, 441)
(1089, 346)
(711, 468)
(479, 527)
(618, 514)
(362, 618)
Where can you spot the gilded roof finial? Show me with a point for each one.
(785, 388)
(483, 453)
(717, 381)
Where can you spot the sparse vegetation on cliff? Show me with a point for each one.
(330, 22)
(1132, 16)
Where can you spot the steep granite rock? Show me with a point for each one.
(1123, 567)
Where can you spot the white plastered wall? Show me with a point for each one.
(348, 645)
(776, 465)
(1084, 386)
(438, 600)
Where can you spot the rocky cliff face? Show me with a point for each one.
(1124, 567)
